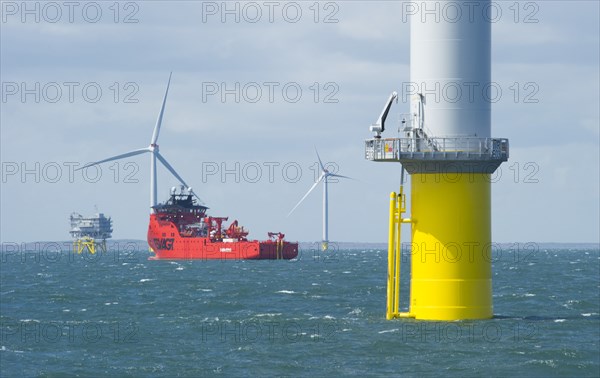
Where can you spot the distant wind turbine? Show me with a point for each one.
(154, 154)
(325, 174)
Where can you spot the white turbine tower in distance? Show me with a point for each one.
(154, 154)
(325, 175)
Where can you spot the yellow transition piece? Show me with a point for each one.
(451, 274)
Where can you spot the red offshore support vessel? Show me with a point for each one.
(180, 229)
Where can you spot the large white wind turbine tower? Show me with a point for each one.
(446, 145)
(154, 154)
(325, 175)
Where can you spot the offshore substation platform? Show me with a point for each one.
(90, 233)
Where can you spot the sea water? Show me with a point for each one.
(119, 314)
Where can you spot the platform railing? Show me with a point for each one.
(392, 149)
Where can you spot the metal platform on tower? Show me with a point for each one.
(419, 151)
(414, 153)
(90, 232)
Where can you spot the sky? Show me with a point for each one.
(256, 87)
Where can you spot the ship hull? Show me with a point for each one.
(167, 244)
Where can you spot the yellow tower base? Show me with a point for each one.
(451, 275)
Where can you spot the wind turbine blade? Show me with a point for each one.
(195, 195)
(160, 115)
(342, 176)
(307, 193)
(117, 157)
(171, 169)
(174, 173)
(320, 162)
